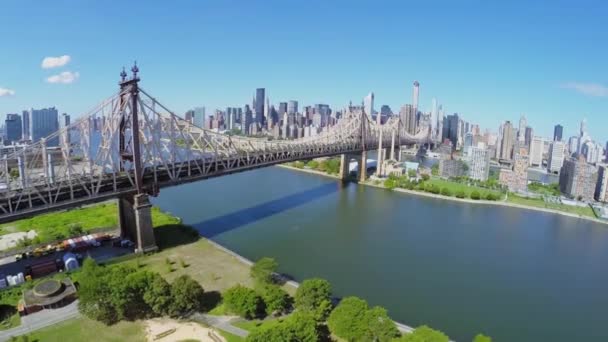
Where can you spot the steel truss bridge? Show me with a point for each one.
(131, 144)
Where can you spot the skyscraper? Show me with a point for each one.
(556, 156)
(12, 128)
(415, 97)
(25, 122)
(199, 116)
(528, 136)
(408, 118)
(454, 129)
(44, 122)
(558, 130)
(368, 104)
(521, 132)
(506, 145)
(434, 120)
(260, 96)
(536, 151)
(292, 107)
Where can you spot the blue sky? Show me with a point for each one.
(487, 60)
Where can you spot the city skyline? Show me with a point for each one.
(486, 86)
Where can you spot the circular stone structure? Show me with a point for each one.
(48, 288)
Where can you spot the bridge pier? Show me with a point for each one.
(135, 219)
(344, 166)
(363, 167)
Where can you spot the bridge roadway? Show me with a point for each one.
(46, 197)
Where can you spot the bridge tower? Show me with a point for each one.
(134, 210)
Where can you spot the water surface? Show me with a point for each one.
(515, 274)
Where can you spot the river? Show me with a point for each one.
(514, 274)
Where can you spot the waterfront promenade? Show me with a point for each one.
(503, 202)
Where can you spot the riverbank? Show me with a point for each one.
(456, 199)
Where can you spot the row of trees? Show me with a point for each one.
(315, 318)
(406, 183)
(113, 293)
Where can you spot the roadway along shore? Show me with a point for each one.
(464, 200)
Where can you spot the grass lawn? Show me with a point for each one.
(230, 337)
(56, 225)
(87, 330)
(251, 325)
(455, 187)
(540, 203)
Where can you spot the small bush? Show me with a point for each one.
(460, 194)
(446, 192)
(475, 195)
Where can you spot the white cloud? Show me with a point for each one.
(590, 89)
(6, 92)
(55, 62)
(65, 77)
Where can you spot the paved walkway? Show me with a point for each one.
(220, 322)
(41, 319)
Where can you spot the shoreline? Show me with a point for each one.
(400, 326)
(455, 199)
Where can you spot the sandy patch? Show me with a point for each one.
(10, 240)
(183, 331)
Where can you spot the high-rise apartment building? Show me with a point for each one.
(478, 158)
(536, 151)
(601, 188)
(558, 131)
(516, 179)
(408, 118)
(12, 128)
(44, 122)
(556, 156)
(578, 179)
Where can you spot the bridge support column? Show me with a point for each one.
(344, 166)
(363, 167)
(135, 218)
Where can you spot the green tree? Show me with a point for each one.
(242, 301)
(435, 170)
(186, 295)
(348, 319)
(313, 164)
(411, 173)
(424, 334)
(314, 295)
(300, 326)
(14, 173)
(482, 338)
(95, 294)
(425, 177)
(475, 195)
(128, 298)
(390, 184)
(275, 298)
(263, 269)
(379, 326)
(158, 295)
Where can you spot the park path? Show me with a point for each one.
(41, 320)
(220, 322)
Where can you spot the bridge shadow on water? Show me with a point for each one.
(234, 220)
